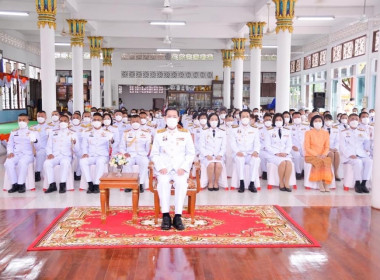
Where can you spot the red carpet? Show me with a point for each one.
(215, 226)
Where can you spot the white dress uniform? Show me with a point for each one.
(212, 143)
(172, 150)
(149, 128)
(122, 127)
(136, 142)
(274, 144)
(342, 126)
(96, 144)
(160, 122)
(334, 136)
(229, 154)
(246, 139)
(20, 144)
(298, 138)
(43, 131)
(53, 125)
(79, 129)
(116, 137)
(356, 142)
(197, 132)
(59, 145)
(264, 154)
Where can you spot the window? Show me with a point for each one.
(13, 95)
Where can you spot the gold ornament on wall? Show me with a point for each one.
(77, 31)
(239, 47)
(256, 34)
(95, 46)
(46, 10)
(284, 14)
(227, 57)
(107, 56)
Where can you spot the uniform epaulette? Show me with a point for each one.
(56, 129)
(361, 129)
(306, 123)
(235, 126)
(286, 128)
(335, 126)
(205, 128)
(269, 128)
(72, 130)
(345, 129)
(145, 130)
(260, 127)
(115, 126)
(161, 130)
(15, 129)
(88, 130)
(183, 130)
(128, 130)
(290, 124)
(372, 124)
(222, 129)
(254, 126)
(190, 124)
(51, 124)
(84, 125)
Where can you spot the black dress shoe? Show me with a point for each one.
(37, 176)
(166, 223)
(298, 176)
(14, 188)
(242, 187)
(252, 187)
(76, 177)
(52, 188)
(141, 188)
(288, 189)
(283, 189)
(90, 187)
(264, 176)
(127, 190)
(215, 189)
(210, 189)
(21, 188)
(62, 187)
(96, 189)
(177, 223)
(337, 179)
(358, 187)
(364, 188)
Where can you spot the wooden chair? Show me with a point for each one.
(192, 190)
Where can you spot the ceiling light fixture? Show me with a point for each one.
(62, 44)
(168, 50)
(162, 22)
(14, 13)
(316, 18)
(269, 47)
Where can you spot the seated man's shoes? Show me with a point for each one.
(62, 187)
(358, 187)
(90, 187)
(166, 223)
(264, 176)
(242, 187)
(14, 188)
(21, 188)
(127, 190)
(364, 188)
(141, 188)
(252, 187)
(96, 189)
(177, 223)
(52, 188)
(37, 176)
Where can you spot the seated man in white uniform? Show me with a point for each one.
(54, 124)
(173, 154)
(135, 145)
(41, 129)
(264, 154)
(298, 135)
(96, 143)
(245, 145)
(20, 154)
(59, 150)
(354, 144)
(79, 129)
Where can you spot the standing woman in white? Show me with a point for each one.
(213, 150)
(278, 143)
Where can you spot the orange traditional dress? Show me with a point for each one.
(317, 143)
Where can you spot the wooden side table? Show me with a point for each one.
(125, 181)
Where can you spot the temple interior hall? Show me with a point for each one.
(131, 60)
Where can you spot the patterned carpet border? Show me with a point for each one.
(148, 235)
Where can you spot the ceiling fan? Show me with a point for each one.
(363, 18)
(269, 31)
(167, 8)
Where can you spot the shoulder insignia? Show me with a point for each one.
(161, 130)
(260, 127)
(269, 128)
(306, 123)
(286, 128)
(51, 124)
(183, 130)
(145, 130)
(235, 126)
(72, 130)
(190, 124)
(88, 130)
(115, 126)
(128, 130)
(15, 129)
(335, 126)
(222, 129)
(254, 126)
(56, 129)
(372, 124)
(205, 128)
(361, 129)
(83, 125)
(290, 124)
(344, 130)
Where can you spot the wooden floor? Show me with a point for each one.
(350, 239)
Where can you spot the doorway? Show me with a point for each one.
(158, 103)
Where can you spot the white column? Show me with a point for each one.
(283, 71)
(48, 75)
(227, 87)
(376, 153)
(95, 82)
(107, 87)
(78, 100)
(238, 85)
(255, 86)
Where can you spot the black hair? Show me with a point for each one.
(296, 113)
(362, 113)
(267, 115)
(353, 115)
(167, 110)
(245, 110)
(202, 114)
(328, 116)
(314, 118)
(64, 116)
(97, 114)
(41, 112)
(209, 117)
(275, 117)
(23, 115)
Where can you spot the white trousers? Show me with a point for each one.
(264, 155)
(18, 163)
(298, 161)
(99, 161)
(254, 164)
(63, 161)
(164, 190)
(40, 159)
(78, 170)
(142, 162)
(362, 168)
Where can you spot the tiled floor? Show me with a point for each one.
(299, 197)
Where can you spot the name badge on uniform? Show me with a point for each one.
(165, 138)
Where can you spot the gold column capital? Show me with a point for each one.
(77, 31)
(46, 10)
(95, 45)
(284, 14)
(239, 47)
(107, 56)
(227, 57)
(256, 34)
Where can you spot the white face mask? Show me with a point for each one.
(118, 118)
(237, 116)
(196, 122)
(213, 124)
(143, 121)
(328, 123)
(107, 122)
(96, 124)
(354, 124)
(136, 125)
(203, 121)
(40, 120)
(55, 118)
(344, 121)
(317, 125)
(125, 120)
(222, 116)
(22, 125)
(101, 113)
(172, 122)
(75, 122)
(287, 120)
(255, 113)
(365, 120)
(297, 121)
(63, 125)
(372, 114)
(245, 121)
(86, 120)
(303, 117)
(268, 123)
(278, 123)
(229, 124)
